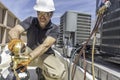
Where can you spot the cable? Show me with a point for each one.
(84, 64)
(16, 74)
(84, 45)
(93, 51)
(70, 64)
(99, 19)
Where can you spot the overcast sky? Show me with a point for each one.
(24, 8)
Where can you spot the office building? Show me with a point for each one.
(7, 21)
(74, 28)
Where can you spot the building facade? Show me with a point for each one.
(74, 28)
(7, 21)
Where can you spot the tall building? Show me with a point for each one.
(7, 21)
(110, 32)
(74, 28)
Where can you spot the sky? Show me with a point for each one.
(24, 8)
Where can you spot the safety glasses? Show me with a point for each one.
(46, 14)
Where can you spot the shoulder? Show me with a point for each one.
(53, 31)
(54, 26)
(26, 23)
(30, 19)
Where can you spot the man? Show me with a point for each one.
(41, 35)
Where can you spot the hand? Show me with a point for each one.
(16, 46)
(23, 62)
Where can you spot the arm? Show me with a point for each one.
(15, 32)
(41, 49)
(14, 35)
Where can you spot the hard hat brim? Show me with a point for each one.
(43, 9)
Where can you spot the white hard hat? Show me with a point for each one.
(44, 5)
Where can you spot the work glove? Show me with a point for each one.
(16, 46)
(23, 62)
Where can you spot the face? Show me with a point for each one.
(44, 18)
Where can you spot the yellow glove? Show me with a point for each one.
(15, 46)
(23, 62)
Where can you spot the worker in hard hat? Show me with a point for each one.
(41, 35)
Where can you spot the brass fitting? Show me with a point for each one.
(19, 48)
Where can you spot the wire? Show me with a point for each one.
(71, 59)
(93, 51)
(16, 74)
(84, 64)
(98, 21)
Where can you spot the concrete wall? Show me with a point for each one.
(7, 21)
